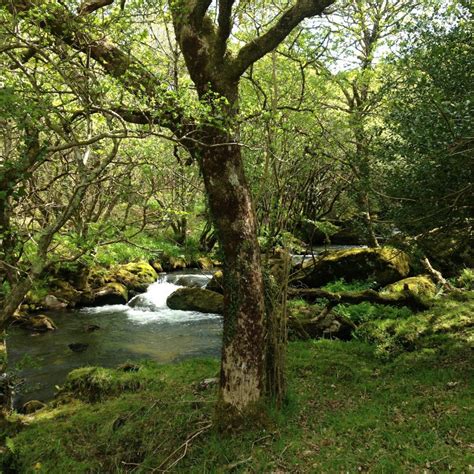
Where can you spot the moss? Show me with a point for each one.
(421, 286)
(196, 299)
(382, 265)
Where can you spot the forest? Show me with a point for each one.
(236, 236)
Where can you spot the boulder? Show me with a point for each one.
(383, 265)
(172, 264)
(420, 286)
(156, 264)
(36, 323)
(135, 276)
(111, 293)
(216, 283)
(66, 293)
(32, 406)
(205, 263)
(196, 299)
(189, 281)
(51, 302)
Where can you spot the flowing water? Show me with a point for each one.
(145, 328)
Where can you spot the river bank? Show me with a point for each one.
(348, 410)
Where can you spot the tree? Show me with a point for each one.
(203, 33)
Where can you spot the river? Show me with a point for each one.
(145, 328)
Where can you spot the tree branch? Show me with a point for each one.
(119, 64)
(89, 6)
(256, 49)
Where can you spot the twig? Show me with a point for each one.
(185, 445)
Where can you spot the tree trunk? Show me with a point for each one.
(243, 361)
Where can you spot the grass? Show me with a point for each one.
(348, 410)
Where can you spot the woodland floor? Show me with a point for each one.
(352, 407)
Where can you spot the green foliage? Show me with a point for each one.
(363, 312)
(466, 279)
(448, 324)
(430, 127)
(341, 285)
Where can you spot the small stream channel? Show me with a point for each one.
(145, 328)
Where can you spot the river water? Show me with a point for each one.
(144, 329)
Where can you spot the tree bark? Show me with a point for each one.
(243, 361)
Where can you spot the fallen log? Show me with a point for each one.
(404, 298)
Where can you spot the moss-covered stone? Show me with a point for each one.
(205, 263)
(35, 323)
(216, 283)
(92, 384)
(196, 299)
(135, 276)
(419, 286)
(111, 293)
(383, 265)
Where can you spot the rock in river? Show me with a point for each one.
(196, 299)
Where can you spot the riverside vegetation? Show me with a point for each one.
(308, 163)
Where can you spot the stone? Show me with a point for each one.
(78, 346)
(383, 265)
(32, 406)
(216, 283)
(327, 326)
(420, 286)
(110, 294)
(36, 323)
(205, 263)
(51, 302)
(135, 276)
(91, 328)
(196, 299)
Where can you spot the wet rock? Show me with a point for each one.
(32, 406)
(78, 346)
(35, 323)
(383, 265)
(51, 302)
(111, 293)
(196, 299)
(189, 281)
(91, 328)
(156, 264)
(216, 283)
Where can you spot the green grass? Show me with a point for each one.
(347, 411)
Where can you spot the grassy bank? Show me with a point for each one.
(349, 410)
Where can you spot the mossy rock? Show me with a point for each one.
(420, 286)
(216, 283)
(205, 263)
(383, 265)
(111, 293)
(35, 323)
(196, 299)
(65, 292)
(93, 384)
(135, 276)
(32, 406)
